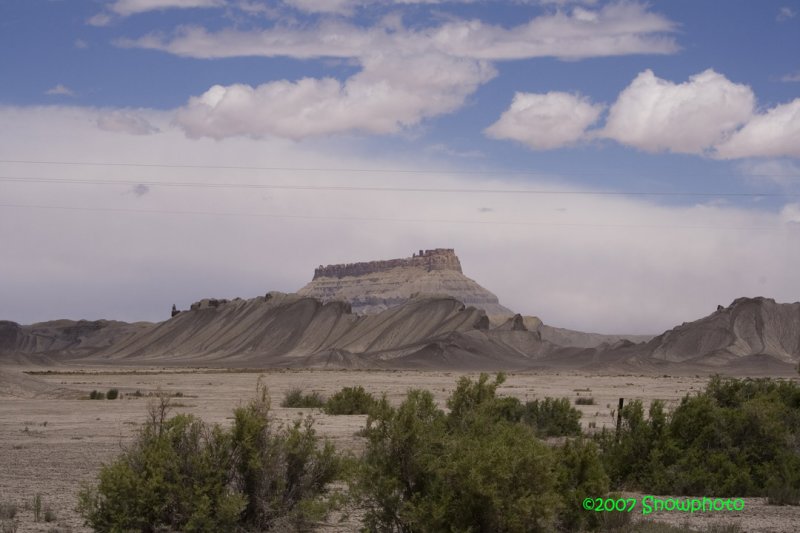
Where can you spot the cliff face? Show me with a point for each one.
(379, 285)
(428, 260)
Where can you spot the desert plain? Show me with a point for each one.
(53, 439)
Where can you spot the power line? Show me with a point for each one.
(315, 169)
(210, 185)
(383, 219)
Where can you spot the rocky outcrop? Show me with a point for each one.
(375, 286)
(427, 260)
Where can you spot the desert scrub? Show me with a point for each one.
(552, 417)
(112, 394)
(182, 474)
(296, 398)
(735, 438)
(474, 468)
(97, 395)
(584, 400)
(350, 401)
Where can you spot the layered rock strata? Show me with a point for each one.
(375, 286)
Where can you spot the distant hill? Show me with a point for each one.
(749, 327)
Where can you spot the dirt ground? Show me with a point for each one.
(52, 440)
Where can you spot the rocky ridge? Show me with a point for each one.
(375, 286)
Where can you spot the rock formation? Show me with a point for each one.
(749, 327)
(375, 286)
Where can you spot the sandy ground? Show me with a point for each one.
(52, 440)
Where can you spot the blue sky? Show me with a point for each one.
(677, 97)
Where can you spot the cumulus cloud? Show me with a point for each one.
(612, 264)
(546, 121)
(60, 90)
(657, 115)
(775, 133)
(390, 93)
(124, 121)
(615, 29)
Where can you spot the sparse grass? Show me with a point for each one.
(9, 526)
(296, 399)
(584, 400)
(37, 508)
(618, 523)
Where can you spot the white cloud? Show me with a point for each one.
(611, 265)
(99, 20)
(389, 94)
(795, 76)
(775, 133)
(124, 121)
(616, 29)
(791, 213)
(546, 121)
(131, 7)
(339, 7)
(656, 115)
(60, 90)
(786, 13)
(781, 172)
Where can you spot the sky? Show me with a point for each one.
(608, 166)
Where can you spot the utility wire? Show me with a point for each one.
(209, 185)
(313, 169)
(382, 219)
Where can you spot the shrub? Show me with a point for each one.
(7, 511)
(350, 401)
(49, 514)
(584, 400)
(296, 398)
(96, 395)
(734, 438)
(182, 474)
(476, 468)
(112, 394)
(552, 417)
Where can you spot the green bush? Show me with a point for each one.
(476, 468)
(182, 474)
(96, 395)
(735, 438)
(552, 417)
(296, 398)
(350, 401)
(112, 394)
